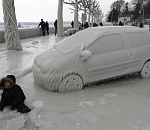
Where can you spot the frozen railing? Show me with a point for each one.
(30, 32)
(70, 31)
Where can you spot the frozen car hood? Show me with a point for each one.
(52, 59)
(84, 37)
(48, 58)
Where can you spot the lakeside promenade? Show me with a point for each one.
(30, 32)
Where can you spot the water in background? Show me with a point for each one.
(34, 24)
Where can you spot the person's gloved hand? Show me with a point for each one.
(12, 107)
(1, 108)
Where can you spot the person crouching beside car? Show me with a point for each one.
(12, 95)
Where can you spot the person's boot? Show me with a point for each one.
(25, 110)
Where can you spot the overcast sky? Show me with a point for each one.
(34, 10)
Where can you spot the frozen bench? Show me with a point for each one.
(70, 31)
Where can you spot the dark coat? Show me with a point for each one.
(86, 25)
(55, 24)
(12, 96)
(42, 24)
(47, 26)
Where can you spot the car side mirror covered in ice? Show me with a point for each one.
(86, 54)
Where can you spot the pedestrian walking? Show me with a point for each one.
(47, 28)
(55, 25)
(42, 24)
(12, 95)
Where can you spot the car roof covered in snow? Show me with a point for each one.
(86, 36)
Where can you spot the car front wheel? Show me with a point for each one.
(70, 83)
(145, 73)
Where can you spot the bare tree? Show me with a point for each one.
(90, 7)
(75, 4)
(118, 5)
(94, 10)
(11, 30)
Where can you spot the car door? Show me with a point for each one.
(109, 58)
(139, 48)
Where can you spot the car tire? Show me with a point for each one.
(145, 73)
(71, 83)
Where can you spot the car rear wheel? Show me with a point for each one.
(145, 73)
(70, 83)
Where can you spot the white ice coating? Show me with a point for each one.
(70, 57)
(16, 123)
(60, 19)
(49, 72)
(11, 31)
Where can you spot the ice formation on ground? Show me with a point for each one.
(86, 103)
(13, 120)
(15, 123)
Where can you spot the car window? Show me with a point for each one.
(83, 37)
(107, 43)
(138, 39)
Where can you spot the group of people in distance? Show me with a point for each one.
(44, 27)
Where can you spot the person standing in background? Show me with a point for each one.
(47, 28)
(42, 24)
(55, 25)
(72, 24)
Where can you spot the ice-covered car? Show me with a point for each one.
(92, 55)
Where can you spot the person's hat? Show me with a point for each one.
(3, 80)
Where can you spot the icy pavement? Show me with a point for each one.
(119, 104)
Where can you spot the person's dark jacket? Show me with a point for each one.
(12, 96)
(47, 26)
(86, 25)
(55, 24)
(42, 24)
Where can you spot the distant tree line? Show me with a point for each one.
(136, 9)
(88, 7)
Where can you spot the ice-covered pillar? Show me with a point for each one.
(76, 22)
(92, 14)
(11, 30)
(89, 15)
(60, 28)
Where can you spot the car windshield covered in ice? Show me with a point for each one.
(92, 55)
(84, 37)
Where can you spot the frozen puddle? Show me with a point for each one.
(38, 103)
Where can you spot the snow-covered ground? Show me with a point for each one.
(119, 104)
